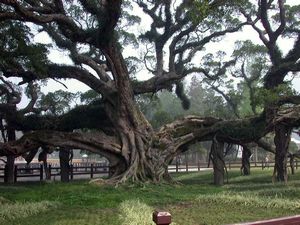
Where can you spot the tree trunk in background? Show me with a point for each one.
(246, 161)
(281, 140)
(9, 170)
(43, 158)
(64, 157)
(47, 170)
(9, 175)
(292, 163)
(217, 154)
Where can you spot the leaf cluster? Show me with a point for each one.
(18, 51)
(265, 96)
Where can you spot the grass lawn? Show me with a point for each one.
(193, 202)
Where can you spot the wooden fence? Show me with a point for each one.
(38, 171)
(190, 167)
(92, 169)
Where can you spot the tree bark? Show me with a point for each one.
(43, 158)
(134, 150)
(245, 169)
(47, 170)
(9, 172)
(217, 153)
(9, 175)
(292, 164)
(64, 157)
(281, 140)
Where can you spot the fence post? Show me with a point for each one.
(15, 174)
(296, 164)
(262, 164)
(177, 164)
(41, 172)
(198, 164)
(92, 171)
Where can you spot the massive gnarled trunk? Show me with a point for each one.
(134, 150)
(281, 140)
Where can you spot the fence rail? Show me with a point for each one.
(188, 167)
(98, 168)
(21, 171)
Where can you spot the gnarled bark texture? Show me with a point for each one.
(217, 155)
(281, 140)
(245, 169)
(65, 169)
(9, 170)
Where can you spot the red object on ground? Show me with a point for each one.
(161, 218)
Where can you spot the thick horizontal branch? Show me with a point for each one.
(191, 129)
(156, 83)
(65, 72)
(289, 116)
(265, 145)
(289, 100)
(96, 142)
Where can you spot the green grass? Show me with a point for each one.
(195, 201)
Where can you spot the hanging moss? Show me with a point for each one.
(91, 116)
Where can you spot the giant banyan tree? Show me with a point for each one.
(94, 34)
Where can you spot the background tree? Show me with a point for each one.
(17, 52)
